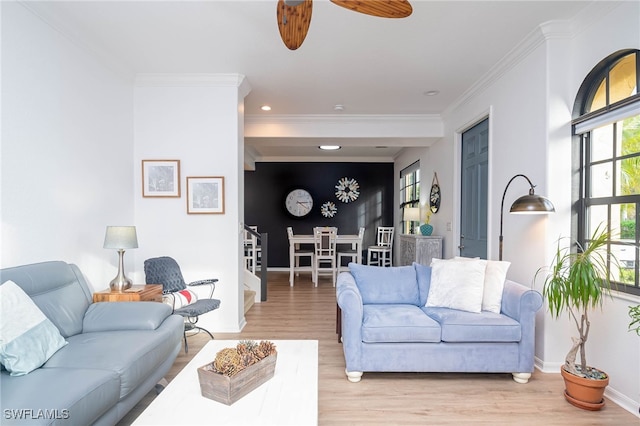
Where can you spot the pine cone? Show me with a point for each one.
(248, 359)
(245, 347)
(265, 348)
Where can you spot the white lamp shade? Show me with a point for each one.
(121, 237)
(412, 214)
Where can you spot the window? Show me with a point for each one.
(410, 194)
(607, 130)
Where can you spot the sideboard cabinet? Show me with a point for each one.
(419, 248)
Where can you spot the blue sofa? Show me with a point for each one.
(115, 352)
(393, 330)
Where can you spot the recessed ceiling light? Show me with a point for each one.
(329, 147)
(338, 108)
(265, 108)
(431, 92)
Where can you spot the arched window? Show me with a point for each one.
(607, 187)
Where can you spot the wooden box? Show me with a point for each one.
(227, 389)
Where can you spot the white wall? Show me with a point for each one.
(67, 150)
(197, 120)
(427, 168)
(69, 167)
(610, 346)
(529, 97)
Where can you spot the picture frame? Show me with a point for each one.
(205, 195)
(161, 178)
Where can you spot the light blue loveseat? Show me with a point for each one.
(393, 331)
(116, 352)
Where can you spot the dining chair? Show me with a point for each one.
(252, 250)
(324, 239)
(295, 253)
(353, 254)
(382, 253)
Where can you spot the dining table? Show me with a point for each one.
(294, 243)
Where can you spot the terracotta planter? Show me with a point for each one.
(584, 393)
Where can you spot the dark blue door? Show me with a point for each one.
(473, 214)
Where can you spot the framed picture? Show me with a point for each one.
(161, 178)
(205, 195)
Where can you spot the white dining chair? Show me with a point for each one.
(382, 253)
(353, 254)
(295, 253)
(325, 252)
(252, 250)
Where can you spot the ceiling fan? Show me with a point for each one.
(294, 16)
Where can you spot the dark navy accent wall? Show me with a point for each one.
(265, 190)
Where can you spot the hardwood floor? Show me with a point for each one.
(307, 312)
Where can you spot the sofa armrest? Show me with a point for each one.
(350, 302)
(113, 316)
(522, 303)
(519, 301)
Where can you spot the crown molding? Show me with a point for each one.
(342, 118)
(532, 41)
(550, 30)
(193, 80)
(312, 159)
(344, 125)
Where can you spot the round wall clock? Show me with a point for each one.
(347, 190)
(328, 209)
(298, 202)
(434, 196)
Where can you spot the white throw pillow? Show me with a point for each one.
(494, 278)
(457, 284)
(27, 337)
(181, 298)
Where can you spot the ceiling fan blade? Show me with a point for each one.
(293, 22)
(381, 8)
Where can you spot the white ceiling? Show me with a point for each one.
(370, 65)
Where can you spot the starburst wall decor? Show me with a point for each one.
(347, 190)
(329, 209)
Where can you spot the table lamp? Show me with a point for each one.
(411, 214)
(120, 238)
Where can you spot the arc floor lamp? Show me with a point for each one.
(527, 204)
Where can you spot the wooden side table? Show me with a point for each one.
(137, 293)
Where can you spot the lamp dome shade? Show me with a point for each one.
(532, 204)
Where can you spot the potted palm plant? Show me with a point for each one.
(576, 282)
(634, 313)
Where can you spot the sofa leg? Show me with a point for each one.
(163, 383)
(353, 376)
(521, 377)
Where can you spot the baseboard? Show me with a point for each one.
(612, 394)
(623, 401)
(547, 367)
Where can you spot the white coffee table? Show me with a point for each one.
(290, 397)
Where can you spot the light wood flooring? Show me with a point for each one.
(307, 312)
